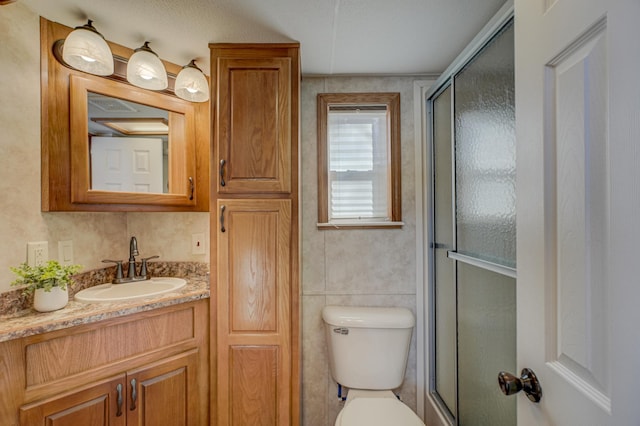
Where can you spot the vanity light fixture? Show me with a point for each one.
(146, 70)
(85, 49)
(191, 84)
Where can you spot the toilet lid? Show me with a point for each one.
(378, 412)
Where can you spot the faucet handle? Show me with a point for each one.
(118, 267)
(143, 268)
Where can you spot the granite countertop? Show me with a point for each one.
(28, 322)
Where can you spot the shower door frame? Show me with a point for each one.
(433, 409)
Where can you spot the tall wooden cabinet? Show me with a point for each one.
(254, 234)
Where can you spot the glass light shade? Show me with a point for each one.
(191, 84)
(86, 50)
(146, 70)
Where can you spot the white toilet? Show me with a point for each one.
(368, 349)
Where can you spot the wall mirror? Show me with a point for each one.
(122, 130)
(128, 141)
(111, 146)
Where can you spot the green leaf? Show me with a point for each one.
(46, 276)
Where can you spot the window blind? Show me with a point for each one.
(358, 164)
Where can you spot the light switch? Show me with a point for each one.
(65, 252)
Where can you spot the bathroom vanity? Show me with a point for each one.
(140, 362)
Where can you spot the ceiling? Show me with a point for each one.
(337, 37)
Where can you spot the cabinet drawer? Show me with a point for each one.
(94, 346)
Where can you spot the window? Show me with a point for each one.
(359, 160)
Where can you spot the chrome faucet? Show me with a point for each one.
(131, 272)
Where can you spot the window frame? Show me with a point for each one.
(391, 101)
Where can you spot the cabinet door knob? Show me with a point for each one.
(222, 208)
(191, 184)
(222, 163)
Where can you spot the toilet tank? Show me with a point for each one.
(368, 347)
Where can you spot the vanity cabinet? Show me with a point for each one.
(254, 233)
(147, 396)
(148, 368)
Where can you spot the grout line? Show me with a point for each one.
(347, 293)
(334, 34)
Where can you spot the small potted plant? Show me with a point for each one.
(48, 283)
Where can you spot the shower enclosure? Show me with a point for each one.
(472, 235)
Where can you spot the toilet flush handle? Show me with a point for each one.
(341, 330)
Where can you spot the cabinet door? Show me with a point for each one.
(102, 404)
(254, 312)
(164, 393)
(253, 125)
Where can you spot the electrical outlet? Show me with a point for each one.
(198, 243)
(65, 252)
(37, 253)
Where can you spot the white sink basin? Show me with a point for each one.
(127, 291)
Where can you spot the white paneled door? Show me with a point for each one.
(126, 164)
(578, 203)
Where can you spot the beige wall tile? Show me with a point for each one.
(353, 267)
(315, 365)
(168, 235)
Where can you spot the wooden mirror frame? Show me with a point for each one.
(181, 155)
(65, 152)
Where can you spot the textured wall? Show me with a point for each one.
(352, 267)
(95, 236)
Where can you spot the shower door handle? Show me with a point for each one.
(528, 382)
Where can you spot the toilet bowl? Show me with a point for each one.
(368, 350)
(376, 408)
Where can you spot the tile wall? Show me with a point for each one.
(352, 267)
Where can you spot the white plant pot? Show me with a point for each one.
(47, 301)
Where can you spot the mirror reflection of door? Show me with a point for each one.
(126, 164)
(129, 145)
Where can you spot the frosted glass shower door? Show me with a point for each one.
(473, 255)
(485, 203)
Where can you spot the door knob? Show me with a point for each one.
(510, 384)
